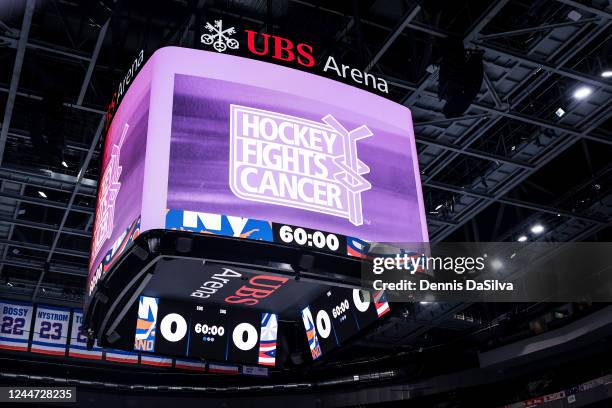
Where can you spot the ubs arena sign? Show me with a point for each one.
(219, 145)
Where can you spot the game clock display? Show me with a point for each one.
(309, 238)
(206, 331)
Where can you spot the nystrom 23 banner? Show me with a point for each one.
(219, 144)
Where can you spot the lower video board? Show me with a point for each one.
(207, 331)
(31, 328)
(339, 314)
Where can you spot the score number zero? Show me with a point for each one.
(299, 235)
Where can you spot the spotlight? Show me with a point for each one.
(522, 238)
(496, 264)
(438, 207)
(560, 112)
(64, 164)
(537, 229)
(582, 92)
(607, 73)
(42, 194)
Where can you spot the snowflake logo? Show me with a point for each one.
(219, 37)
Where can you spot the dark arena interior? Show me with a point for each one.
(233, 203)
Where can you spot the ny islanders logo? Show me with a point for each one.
(145, 324)
(295, 162)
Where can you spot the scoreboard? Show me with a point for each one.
(339, 314)
(208, 331)
(234, 191)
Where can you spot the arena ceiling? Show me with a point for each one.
(527, 151)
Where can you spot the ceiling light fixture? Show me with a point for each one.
(496, 264)
(42, 194)
(537, 229)
(582, 92)
(522, 238)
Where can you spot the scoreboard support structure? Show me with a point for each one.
(159, 258)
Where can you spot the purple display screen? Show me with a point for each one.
(274, 155)
(242, 148)
(121, 179)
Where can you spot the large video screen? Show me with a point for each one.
(207, 331)
(252, 150)
(120, 187)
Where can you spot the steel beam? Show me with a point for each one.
(81, 173)
(520, 117)
(54, 268)
(568, 73)
(92, 62)
(494, 8)
(406, 19)
(43, 226)
(537, 28)
(46, 203)
(11, 227)
(593, 122)
(415, 25)
(472, 152)
(492, 91)
(525, 91)
(66, 104)
(38, 45)
(21, 46)
(589, 9)
(50, 180)
(44, 248)
(449, 120)
(512, 201)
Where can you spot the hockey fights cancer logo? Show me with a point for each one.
(109, 189)
(295, 162)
